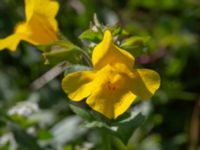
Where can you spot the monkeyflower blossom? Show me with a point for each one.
(113, 84)
(39, 28)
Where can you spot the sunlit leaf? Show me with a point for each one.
(118, 30)
(91, 35)
(136, 45)
(62, 51)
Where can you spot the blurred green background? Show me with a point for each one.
(34, 120)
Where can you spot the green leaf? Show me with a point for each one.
(91, 35)
(68, 147)
(135, 41)
(25, 141)
(136, 45)
(95, 124)
(21, 120)
(43, 48)
(81, 112)
(5, 146)
(101, 125)
(123, 128)
(44, 134)
(60, 51)
(118, 30)
(75, 68)
(126, 127)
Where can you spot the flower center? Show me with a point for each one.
(110, 86)
(113, 78)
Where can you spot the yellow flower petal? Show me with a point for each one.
(10, 42)
(29, 8)
(45, 9)
(41, 25)
(107, 52)
(78, 85)
(113, 85)
(39, 28)
(39, 31)
(111, 93)
(145, 83)
(48, 8)
(109, 103)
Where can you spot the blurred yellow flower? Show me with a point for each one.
(40, 26)
(113, 84)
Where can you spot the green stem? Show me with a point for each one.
(106, 141)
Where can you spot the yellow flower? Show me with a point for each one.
(113, 84)
(40, 26)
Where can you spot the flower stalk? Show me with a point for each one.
(106, 140)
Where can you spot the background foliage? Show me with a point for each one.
(42, 119)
